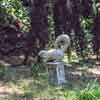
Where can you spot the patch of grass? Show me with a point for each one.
(29, 95)
(39, 87)
(70, 95)
(2, 71)
(36, 69)
(72, 59)
(92, 93)
(1, 98)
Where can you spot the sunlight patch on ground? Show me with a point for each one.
(95, 71)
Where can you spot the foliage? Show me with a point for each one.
(50, 24)
(90, 94)
(86, 24)
(78, 15)
(36, 69)
(29, 95)
(13, 10)
(2, 71)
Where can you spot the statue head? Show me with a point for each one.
(42, 56)
(62, 41)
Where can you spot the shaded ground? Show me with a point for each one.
(18, 81)
(80, 74)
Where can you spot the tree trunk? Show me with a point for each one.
(38, 36)
(96, 35)
(62, 17)
(39, 21)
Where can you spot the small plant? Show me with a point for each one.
(36, 68)
(90, 94)
(2, 71)
(29, 96)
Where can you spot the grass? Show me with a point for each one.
(40, 88)
(33, 88)
(90, 94)
(27, 89)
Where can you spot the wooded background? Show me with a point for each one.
(39, 22)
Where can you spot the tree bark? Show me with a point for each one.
(39, 21)
(62, 17)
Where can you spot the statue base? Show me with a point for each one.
(56, 72)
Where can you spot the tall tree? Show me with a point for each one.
(67, 18)
(86, 8)
(61, 17)
(96, 34)
(76, 24)
(39, 21)
(38, 35)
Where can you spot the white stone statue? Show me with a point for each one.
(57, 53)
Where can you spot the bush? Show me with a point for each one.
(12, 10)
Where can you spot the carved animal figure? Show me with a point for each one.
(57, 54)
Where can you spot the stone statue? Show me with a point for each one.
(57, 53)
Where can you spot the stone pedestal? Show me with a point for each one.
(56, 72)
